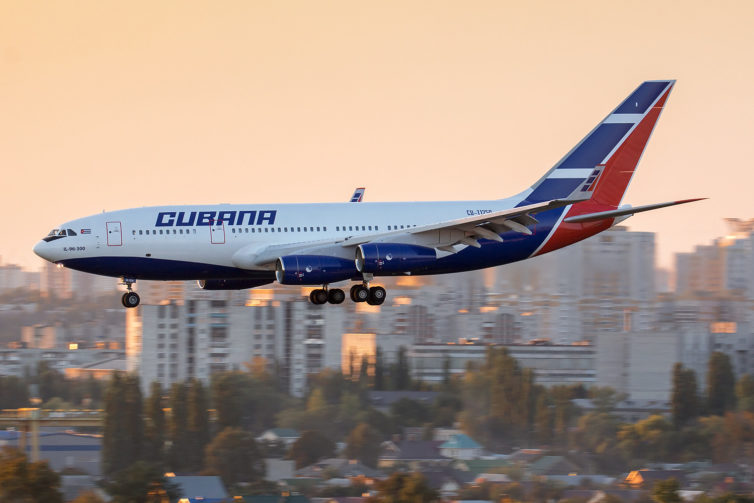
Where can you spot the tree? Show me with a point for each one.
(403, 487)
(363, 443)
(666, 491)
(311, 447)
(745, 393)
(197, 424)
(400, 373)
(141, 482)
(22, 482)
(379, 370)
(720, 384)
(154, 427)
(235, 457)
(407, 412)
(88, 497)
(684, 402)
(13, 393)
(124, 424)
(179, 454)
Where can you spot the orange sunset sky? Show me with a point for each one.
(108, 105)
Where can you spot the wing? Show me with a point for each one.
(447, 237)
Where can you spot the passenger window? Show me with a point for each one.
(370, 227)
(311, 229)
(324, 229)
(350, 227)
(175, 231)
(160, 231)
(147, 232)
(298, 229)
(317, 229)
(304, 229)
(363, 227)
(140, 232)
(337, 228)
(133, 232)
(266, 229)
(376, 227)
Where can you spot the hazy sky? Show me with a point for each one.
(108, 105)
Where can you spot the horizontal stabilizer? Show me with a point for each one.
(601, 215)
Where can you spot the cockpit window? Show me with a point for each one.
(58, 233)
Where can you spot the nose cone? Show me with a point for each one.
(42, 250)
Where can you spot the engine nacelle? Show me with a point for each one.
(313, 269)
(393, 257)
(231, 284)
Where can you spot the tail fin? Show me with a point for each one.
(604, 162)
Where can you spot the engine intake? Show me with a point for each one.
(313, 269)
(393, 257)
(232, 284)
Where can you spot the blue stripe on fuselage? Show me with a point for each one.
(160, 269)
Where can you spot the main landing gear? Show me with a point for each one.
(373, 296)
(359, 293)
(325, 295)
(130, 299)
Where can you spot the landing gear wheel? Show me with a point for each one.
(359, 293)
(318, 296)
(377, 296)
(130, 299)
(336, 296)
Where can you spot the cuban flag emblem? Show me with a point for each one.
(86, 231)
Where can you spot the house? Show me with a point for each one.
(461, 446)
(338, 468)
(646, 478)
(552, 465)
(446, 480)
(411, 454)
(383, 400)
(207, 489)
(478, 466)
(285, 436)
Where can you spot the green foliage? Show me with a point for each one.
(499, 400)
(311, 447)
(22, 482)
(234, 456)
(684, 397)
(403, 487)
(124, 423)
(249, 400)
(407, 412)
(363, 443)
(648, 439)
(745, 393)
(197, 425)
(88, 497)
(14, 393)
(141, 482)
(666, 491)
(155, 426)
(721, 395)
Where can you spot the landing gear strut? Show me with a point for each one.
(130, 299)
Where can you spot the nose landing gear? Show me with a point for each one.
(130, 299)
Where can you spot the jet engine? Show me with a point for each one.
(313, 269)
(392, 257)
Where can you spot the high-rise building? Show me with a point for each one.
(175, 341)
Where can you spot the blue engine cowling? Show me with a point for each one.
(393, 257)
(232, 284)
(313, 269)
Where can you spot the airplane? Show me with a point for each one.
(239, 246)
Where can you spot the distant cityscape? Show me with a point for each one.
(599, 313)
